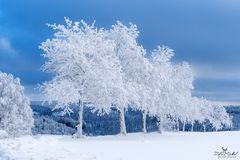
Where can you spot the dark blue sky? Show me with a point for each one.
(204, 33)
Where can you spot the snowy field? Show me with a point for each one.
(136, 146)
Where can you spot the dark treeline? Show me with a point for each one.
(53, 122)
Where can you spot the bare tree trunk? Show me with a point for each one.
(184, 124)
(204, 127)
(79, 133)
(159, 125)
(144, 118)
(122, 121)
(178, 128)
(192, 125)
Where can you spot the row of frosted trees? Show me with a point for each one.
(105, 68)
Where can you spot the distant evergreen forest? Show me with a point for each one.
(54, 122)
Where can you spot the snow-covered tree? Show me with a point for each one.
(183, 86)
(135, 66)
(85, 70)
(161, 83)
(220, 118)
(15, 112)
(215, 114)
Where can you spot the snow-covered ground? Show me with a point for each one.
(136, 146)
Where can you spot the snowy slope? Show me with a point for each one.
(136, 146)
